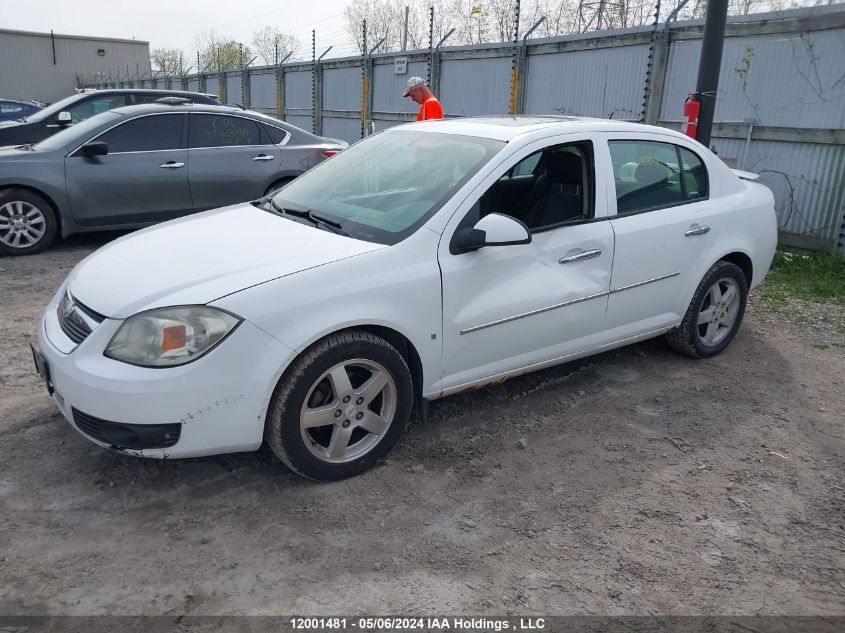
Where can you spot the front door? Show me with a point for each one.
(231, 160)
(510, 307)
(143, 178)
(664, 224)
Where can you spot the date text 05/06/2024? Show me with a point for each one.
(417, 624)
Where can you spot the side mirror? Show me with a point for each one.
(64, 118)
(95, 148)
(495, 229)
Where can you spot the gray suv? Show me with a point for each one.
(134, 166)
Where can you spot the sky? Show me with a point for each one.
(173, 23)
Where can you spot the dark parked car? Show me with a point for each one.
(75, 109)
(138, 165)
(13, 110)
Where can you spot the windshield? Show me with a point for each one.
(53, 109)
(75, 133)
(383, 188)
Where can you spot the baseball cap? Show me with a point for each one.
(413, 82)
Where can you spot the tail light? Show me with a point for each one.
(328, 153)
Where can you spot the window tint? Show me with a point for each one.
(276, 135)
(212, 130)
(146, 134)
(646, 174)
(88, 108)
(560, 193)
(694, 174)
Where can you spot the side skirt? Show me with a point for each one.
(524, 369)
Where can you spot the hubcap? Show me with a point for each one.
(348, 410)
(718, 312)
(21, 224)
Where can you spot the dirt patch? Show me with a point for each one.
(634, 482)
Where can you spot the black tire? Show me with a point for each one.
(278, 185)
(30, 198)
(282, 430)
(687, 338)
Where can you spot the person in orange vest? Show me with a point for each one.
(430, 107)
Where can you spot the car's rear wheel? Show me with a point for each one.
(340, 407)
(27, 222)
(714, 314)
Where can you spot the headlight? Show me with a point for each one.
(166, 337)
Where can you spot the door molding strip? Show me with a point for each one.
(606, 293)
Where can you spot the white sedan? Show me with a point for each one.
(423, 261)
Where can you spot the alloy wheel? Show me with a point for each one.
(718, 312)
(348, 411)
(21, 224)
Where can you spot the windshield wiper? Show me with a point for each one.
(317, 220)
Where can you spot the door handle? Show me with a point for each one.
(701, 230)
(262, 157)
(171, 164)
(579, 256)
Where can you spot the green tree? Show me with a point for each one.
(168, 60)
(217, 51)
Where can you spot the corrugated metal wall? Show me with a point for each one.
(600, 83)
(298, 90)
(233, 89)
(262, 91)
(782, 71)
(792, 80)
(27, 70)
(475, 86)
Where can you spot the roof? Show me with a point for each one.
(506, 128)
(92, 38)
(181, 107)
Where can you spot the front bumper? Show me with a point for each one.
(219, 401)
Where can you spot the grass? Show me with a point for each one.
(807, 275)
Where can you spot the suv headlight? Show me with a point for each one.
(166, 337)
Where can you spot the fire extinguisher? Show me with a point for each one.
(692, 108)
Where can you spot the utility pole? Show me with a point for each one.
(708, 66)
(405, 35)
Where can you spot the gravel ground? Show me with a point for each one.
(634, 482)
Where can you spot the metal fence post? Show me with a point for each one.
(513, 101)
(522, 66)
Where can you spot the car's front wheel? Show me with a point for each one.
(340, 407)
(714, 314)
(27, 222)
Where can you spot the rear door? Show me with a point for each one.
(662, 217)
(143, 178)
(232, 159)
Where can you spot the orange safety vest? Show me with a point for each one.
(430, 109)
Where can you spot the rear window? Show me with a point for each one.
(214, 130)
(276, 135)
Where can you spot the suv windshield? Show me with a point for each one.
(385, 187)
(75, 134)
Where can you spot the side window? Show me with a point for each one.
(7, 108)
(694, 174)
(560, 192)
(212, 130)
(146, 134)
(276, 135)
(647, 175)
(89, 107)
(526, 166)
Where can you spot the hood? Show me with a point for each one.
(203, 257)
